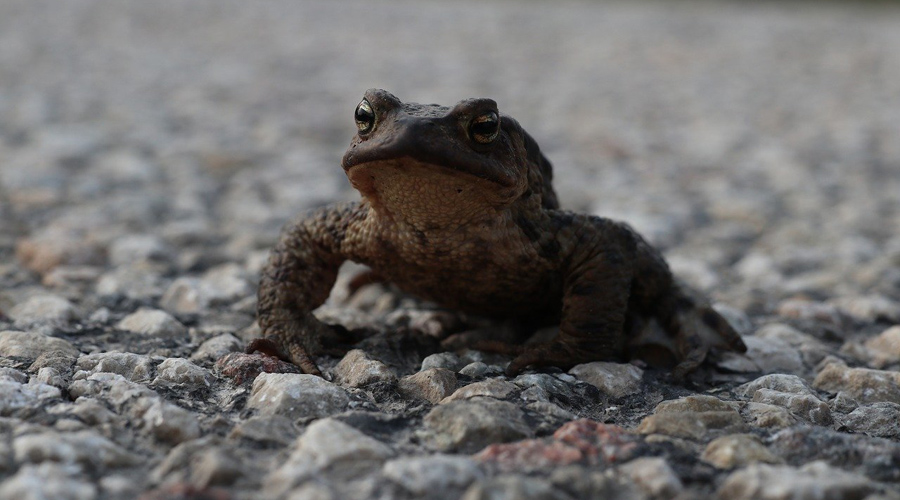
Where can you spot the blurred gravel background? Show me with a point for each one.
(150, 151)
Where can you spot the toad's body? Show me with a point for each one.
(458, 208)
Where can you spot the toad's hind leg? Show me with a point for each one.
(695, 328)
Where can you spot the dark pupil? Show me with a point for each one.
(363, 115)
(485, 126)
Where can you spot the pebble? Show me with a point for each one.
(216, 347)
(805, 406)
(615, 379)
(48, 480)
(180, 372)
(219, 286)
(780, 382)
(816, 480)
(85, 449)
(54, 246)
(512, 487)
(445, 360)
(870, 308)
(737, 450)
(875, 419)
(295, 396)
(862, 384)
(270, 430)
(433, 384)
(653, 476)
(357, 369)
(434, 473)
(135, 249)
(43, 310)
(469, 425)
(332, 446)
(170, 423)
(692, 417)
(774, 355)
(153, 323)
(15, 396)
(769, 416)
(492, 388)
(884, 348)
(134, 367)
(31, 345)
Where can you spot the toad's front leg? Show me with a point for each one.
(297, 279)
(595, 302)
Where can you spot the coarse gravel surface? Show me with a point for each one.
(150, 152)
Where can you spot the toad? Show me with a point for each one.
(458, 208)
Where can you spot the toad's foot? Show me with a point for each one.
(332, 340)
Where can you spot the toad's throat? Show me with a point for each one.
(425, 195)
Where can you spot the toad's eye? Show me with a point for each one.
(485, 127)
(365, 117)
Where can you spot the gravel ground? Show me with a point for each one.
(150, 151)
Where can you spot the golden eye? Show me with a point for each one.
(365, 117)
(485, 127)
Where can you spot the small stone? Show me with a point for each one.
(653, 476)
(113, 389)
(295, 396)
(884, 348)
(771, 416)
(435, 473)
(692, 417)
(48, 480)
(92, 412)
(357, 369)
(615, 379)
(153, 322)
(778, 382)
(816, 480)
(12, 375)
(216, 347)
(470, 425)
(15, 396)
(805, 406)
(541, 387)
(134, 367)
(328, 444)
(842, 403)
(870, 308)
(82, 448)
(737, 450)
(136, 248)
(773, 355)
(170, 423)
(811, 349)
(862, 384)
(216, 467)
(445, 360)
(493, 388)
(181, 372)
(808, 309)
(56, 246)
(219, 286)
(513, 487)
(43, 310)
(433, 384)
(31, 345)
(51, 376)
(266, 429)
(474, 370)
(530, 455)
(138, 283)
(876, 419)
(597, 440)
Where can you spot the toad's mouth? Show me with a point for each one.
(428, 156)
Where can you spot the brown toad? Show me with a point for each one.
(457, 208)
